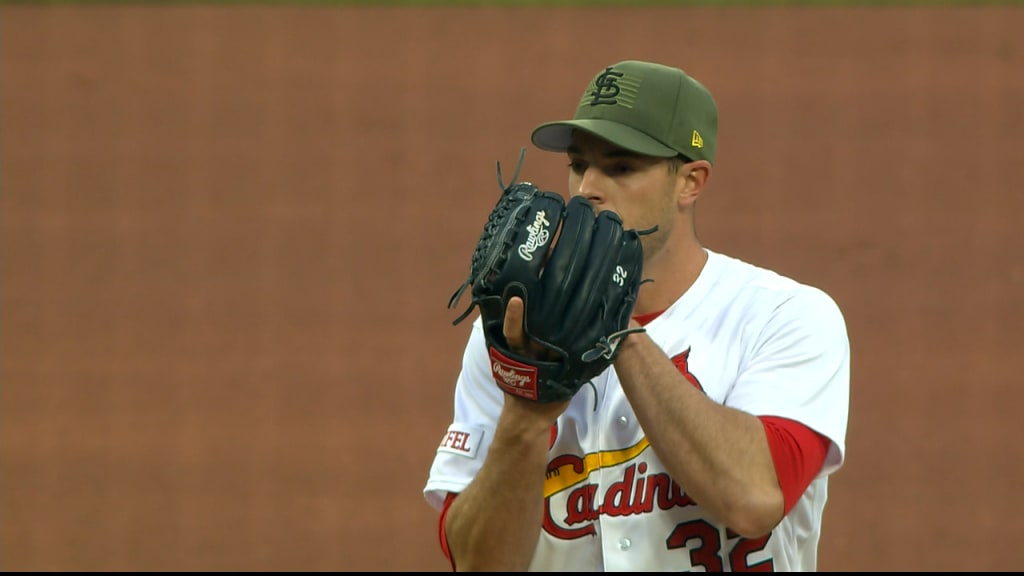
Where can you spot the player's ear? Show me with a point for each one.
(691, 177)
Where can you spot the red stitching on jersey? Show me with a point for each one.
(440, 528)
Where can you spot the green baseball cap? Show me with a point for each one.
(644, 107)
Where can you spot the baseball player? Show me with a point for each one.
(708, 443)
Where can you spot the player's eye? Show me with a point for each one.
(620, 169)
(577, 166)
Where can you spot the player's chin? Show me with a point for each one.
(652, 245)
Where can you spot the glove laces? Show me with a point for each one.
(515, 175)
(607, 345)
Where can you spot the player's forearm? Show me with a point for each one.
(719, 455)
(494, 524)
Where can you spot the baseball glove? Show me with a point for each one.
(578, 273)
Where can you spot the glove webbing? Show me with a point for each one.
(477, 267)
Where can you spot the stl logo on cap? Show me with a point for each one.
(613, 87)
(606, 87)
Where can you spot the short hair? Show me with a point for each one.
(676, 162)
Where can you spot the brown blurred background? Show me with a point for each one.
(229, 235)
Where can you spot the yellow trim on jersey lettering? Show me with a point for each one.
(565, 477)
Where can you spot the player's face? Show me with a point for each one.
(642, 190)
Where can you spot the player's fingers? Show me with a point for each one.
(513, 327)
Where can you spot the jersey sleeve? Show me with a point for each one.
(797, 366)
(477, 405)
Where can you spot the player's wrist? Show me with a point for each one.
(630, 342)
(524, 419)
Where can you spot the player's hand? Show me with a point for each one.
(515, 334)
(520, 343)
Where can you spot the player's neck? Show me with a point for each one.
(673, 271)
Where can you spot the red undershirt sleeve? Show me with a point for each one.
(798, 453)
(440, 529)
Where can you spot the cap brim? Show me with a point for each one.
(557, 136)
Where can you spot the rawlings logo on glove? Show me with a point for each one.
(579, 292)
(538, 236)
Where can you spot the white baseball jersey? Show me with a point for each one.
(750, 339)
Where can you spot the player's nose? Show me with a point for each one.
(588, 186)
